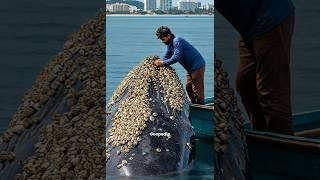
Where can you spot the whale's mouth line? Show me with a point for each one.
(173, 174)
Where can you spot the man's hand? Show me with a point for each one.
(158, 62)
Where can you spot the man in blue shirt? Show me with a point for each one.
(179, 50)
(263, 78)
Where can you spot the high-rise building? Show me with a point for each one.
(164, 5)
(208, 6)
(199, 4)
(118, 8)
(150, 5)
(187, 5)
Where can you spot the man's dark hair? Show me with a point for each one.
(163, 31)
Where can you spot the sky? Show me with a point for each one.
(175, 2)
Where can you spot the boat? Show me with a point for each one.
(272, 155)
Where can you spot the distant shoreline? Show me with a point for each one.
(151, 15)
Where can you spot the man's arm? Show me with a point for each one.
(167, 54)
(177, 53)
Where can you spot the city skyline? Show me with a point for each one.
(175, 2)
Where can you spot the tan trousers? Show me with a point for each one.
(195, 86)
(263, 79)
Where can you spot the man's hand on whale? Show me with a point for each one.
(158, 63)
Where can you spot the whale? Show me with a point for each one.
(166, 144)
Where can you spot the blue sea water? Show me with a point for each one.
(132, 38)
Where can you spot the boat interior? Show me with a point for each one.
(273, 155)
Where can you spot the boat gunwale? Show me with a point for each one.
(284, 141)
(202, 107)
(274, 138)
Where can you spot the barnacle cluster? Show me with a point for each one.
(229, 141)
(134, 112)
(65, 111)
(174, 94)
(226, 109)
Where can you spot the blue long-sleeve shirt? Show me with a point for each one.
(253, 18)
(179, 50)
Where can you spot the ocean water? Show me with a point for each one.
(132, 38)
